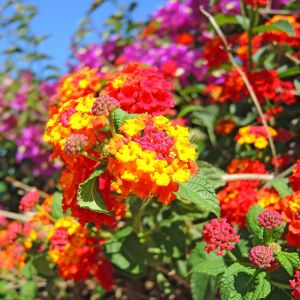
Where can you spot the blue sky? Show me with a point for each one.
(60, 18)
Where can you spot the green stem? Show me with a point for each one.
(84, 153)
(137, 219)
(231, 256)
(243, 10)
(111, 125)
(46, 213)
(280, 285)
(250, 37)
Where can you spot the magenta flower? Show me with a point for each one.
(270, 219)
(104, 104)
(29, 200)
(261, 256)
(75, 143)
(219, 234)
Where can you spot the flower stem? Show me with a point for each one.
(231, 256)
(111, 125)
(84, 153)
(281, 285)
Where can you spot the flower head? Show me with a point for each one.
(75, 143)
(256, 3)
(150, 157)
(270, 219)
(29, 201)
(104, 104)
(256, 135)
(219, 234)
(295, 284)
(295, 177)
(141, 89)
(261, 256)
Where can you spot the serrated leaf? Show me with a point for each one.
(288, 260)
(280, 25)
(252, 222)
(213, 174)
(56, 206)
(200, 191)
(281, 186)
(241, 282)
(290, 72)
(119, 116)
(89, 196)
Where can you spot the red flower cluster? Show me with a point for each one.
(295, 284)
(77, 255)
(295, 178)
(219, 234)
(29, 201)
(141, 89)
(256, 3)
(261, 256)
(265, 83)
(291, 214)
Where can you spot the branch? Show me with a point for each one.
(18, 184)
(246, 81)
(232, 177)
(268, 11)
(14, 216)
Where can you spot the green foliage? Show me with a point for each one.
(205, 269)
(119, 116)
(252, 222)
(289, 261)
(281, 186)
(28, 290)
(203, 286)
(241, 282)
(212, 173)
(42, 266)
(56, 206)
(126, 252)
(89, 196)
(200, 191)
(280, 25)
(208, 263)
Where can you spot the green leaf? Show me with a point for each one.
(241, 282)
(95, 5)
(213, 174)
(223, 19)
(28, 269)
(42, 266)
(288, 260)
(89, 196)
(208, 263)
(56, 206)
(290, 72)
(281, 25)
(29, 290)
(203, 286)
(252, 222)
(277, 231)
(200, 191)
(281, 186)
(127, 254)
(119, 116)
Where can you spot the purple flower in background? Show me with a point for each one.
(96, 56)
(149, 51)
(228, 6)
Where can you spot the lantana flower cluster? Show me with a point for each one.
(255, 135)
(76, 255)
(150, 157)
